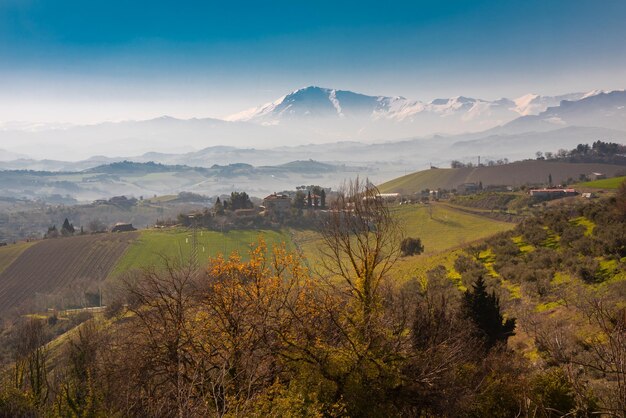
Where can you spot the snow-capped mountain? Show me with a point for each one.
(315, 102)
(597, 108)
(316, 115)
(372, 116)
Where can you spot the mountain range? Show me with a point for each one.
(386, 135)
(376, 115)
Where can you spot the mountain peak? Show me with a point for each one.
(343, 110)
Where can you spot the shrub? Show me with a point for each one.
(113, 309)
(411, 246)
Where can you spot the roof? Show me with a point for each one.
(554, 190)
(275, 196)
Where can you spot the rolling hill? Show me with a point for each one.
(513, 174)
(55, 264)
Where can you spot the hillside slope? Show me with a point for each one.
(54, 264)
(514, 174)
(153, 247)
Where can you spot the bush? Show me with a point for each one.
(113, 309)
(411, 246)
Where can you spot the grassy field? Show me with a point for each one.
(10, 253)
(612, 183)
(153, 245)
(445, 230)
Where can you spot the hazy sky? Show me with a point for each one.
(87, 61)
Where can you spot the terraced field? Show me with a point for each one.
(49, 265)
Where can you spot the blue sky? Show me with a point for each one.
(79, 61)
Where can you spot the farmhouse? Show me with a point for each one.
(597, 176)
(388, 197)
(552, 193)
(277, 203)
(123, 227)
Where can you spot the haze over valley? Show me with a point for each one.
(348, 133)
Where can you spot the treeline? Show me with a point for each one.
(597, 152)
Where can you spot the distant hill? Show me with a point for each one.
(514, 174)
(130, 167)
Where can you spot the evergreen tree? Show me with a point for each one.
(483, 309)
(67, 228)
(240, 200)
(219, 207)
(299, 200)
(309, 200)
(323, 198)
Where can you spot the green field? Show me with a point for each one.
(415, 182)
(612, 183)
(175, 244)
(9, 253)
(445, 228)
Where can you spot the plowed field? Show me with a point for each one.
(53, 264)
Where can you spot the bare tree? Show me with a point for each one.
(159, 365)
(596, 360)
(361, 243)
(30, 356)
(344, 331)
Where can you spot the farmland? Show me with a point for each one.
(611, 184)
(440, 228)
(175, 244)
(54, 264)
(445, 228)
(514, 174)
(10, 253)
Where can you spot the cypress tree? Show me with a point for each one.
(483, 308)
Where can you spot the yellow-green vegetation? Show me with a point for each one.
(549, 306)
(561, 278)
(441, 228)
(588, 224)
(9, 253)
(523, 246)
(418, 266)
(553, 239)
(612, 183)
(153, 246)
